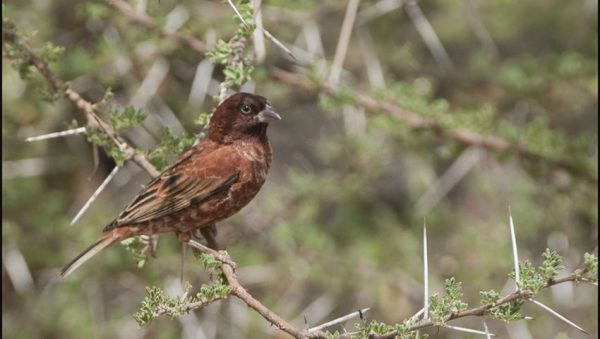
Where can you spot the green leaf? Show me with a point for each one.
(552, 264)
(127, 117)
(590, 262)
(136, 246)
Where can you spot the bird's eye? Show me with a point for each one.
(246, 108)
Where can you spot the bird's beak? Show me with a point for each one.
(267, 115)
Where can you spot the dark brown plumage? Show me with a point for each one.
(208, 183)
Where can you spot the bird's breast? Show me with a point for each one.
(255, 161)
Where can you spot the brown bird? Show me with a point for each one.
(209, 182)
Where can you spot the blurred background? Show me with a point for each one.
(338, 225)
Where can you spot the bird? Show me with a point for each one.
(209, 182)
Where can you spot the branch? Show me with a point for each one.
(237, 290)
(418, 122)
(144, 20)
(84, 106)
(481, 310)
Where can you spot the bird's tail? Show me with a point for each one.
(106, 240)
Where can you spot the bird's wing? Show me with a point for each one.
(174, 190)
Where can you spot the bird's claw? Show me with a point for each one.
(150, 241)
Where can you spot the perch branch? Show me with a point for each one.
(418, 122)
(237, 290)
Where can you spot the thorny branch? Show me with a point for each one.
(481, 310)
(83, 105)
(418, 122)
(237, 290)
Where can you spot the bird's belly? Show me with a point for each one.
(213, 210)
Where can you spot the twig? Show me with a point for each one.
(258, 35)
(558, 315)
(74, 131)
(452, 176)
(480, 31)
(380, 8)
(99, 190)
(339, 320)
(428, 34)
(136, 17)
(266, 32)
(372, 62)
(237, 12)
(342, 46)
(418, 122)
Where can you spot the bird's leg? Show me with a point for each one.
(151, 242)
(183, 253)
(210, 233)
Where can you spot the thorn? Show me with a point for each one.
(513, 239)
(75, 131)
(425, 272)
(558, 315)
(95, 195)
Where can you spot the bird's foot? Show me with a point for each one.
(210, 234)
(150, 241)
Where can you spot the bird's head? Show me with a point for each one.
(240, 116)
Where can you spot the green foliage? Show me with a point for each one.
(136, 247)
(15, 50)
(403, 330)
(157, 303)
(591, 264)
(507, 312)
(214, 267)
(238, 67)
(101, 139)
(169, 146)
(489, 297)
(127, 117)
(531, 279)
(551, 265)
(208, 293)
(50, 52)
(221, 53)
(442, 308)
(202, 119)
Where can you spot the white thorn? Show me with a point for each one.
(95, 195)
(513, 239)
(468, 330)
(79, 130)
(558, 315)
(425, 274)
(339, 320)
